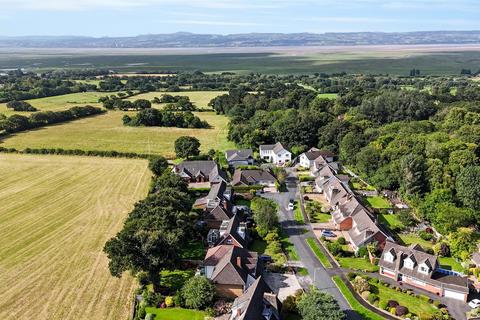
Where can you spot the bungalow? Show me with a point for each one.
(275, 153)
(200, 171)
(413, 266)
(232, 269)
(308, 159)
(258, 302)
(231, 232)
(252, 177)
(242, 157)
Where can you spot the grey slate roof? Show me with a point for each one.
(258, 298)
(251, 177)
(315, 153)
(239, 155)
(201, 168)
(232, 230)
(277, 147)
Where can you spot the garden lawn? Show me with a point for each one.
(414, 304)
(106, 132)
(175, 279)
(450, 263)
(176, 314)
(378, 202)
(390, 220)
(412, 238)
(194, 250)
(354, 263)
(318, 252)
(320, 217)
(356, 306)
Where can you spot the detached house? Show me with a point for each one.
(232, 269)
(413, 266)
(231, 232)
(322, 157)
(275, 153)
(200, 171)
(219, 193)
(240, 157)
(257, 303)
(253, 177)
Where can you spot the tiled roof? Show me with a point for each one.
(251, 176)
(205, 168)
(238, 155)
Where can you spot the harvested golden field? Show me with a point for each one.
(56, 214)
(107, 132)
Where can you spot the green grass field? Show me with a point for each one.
(56, 214)
(199, 98)
(450, 263)
(412, 238)
(354, 263)
(176, 314)
(390, 220)
(106, 132)
(297, 213)
(378, 202)
(57, 103)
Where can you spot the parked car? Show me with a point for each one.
(266, 258)
(291, 206)
(475, 303)
(328, 233)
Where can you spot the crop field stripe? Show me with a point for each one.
(56, 214)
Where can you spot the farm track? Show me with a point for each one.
(55, 215)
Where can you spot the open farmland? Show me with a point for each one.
(199, 98)
(107, 132)
(56, 214)
(57, 103)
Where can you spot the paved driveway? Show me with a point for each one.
(320, 278)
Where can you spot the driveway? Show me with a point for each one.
(297, 235)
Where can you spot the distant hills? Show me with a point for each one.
(191, 40)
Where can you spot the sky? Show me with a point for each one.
(134, 17)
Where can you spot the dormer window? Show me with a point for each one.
(389, 257)
(424, 268)
(409, 263)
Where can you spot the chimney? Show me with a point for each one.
(239, 261)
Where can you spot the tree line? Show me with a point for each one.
(164, 118)
(17, 123)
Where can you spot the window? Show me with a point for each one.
(388, 257)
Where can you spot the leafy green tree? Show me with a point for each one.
(187, 146)
(157, 164)
(169, 180)
(468, 187)
(265, 215)
(318, 305)
(428, 207)
(198, 292)
(462, 243)
(449, 217)
(413, 169)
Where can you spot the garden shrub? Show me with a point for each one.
(351, 276)
(150, 316)
(362, 252)
(335, 248)
(365, 295)
(393, 310)
(169, 301)
(383, 304)
(341, 241)
(401, 311)
(142, 278)
(374, 280)
(198, 292)
(360, 284)
(425, 235)
(177, 299)
(392, 304)
(372, 298)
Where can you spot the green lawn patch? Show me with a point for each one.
(297, 213)
(353, 263)
(259, 246)
(391, 221)
(319, 253)
(175, 279)
(331, 96)
(358, 185)
(289, 248)
(193, 251)
(414, 304)
(450, 263)
(356, 306)
(302, 272)
(321, 217)
(176, 313)
(378, 202)
(411, 238)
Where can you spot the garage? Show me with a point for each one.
(455, 295)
